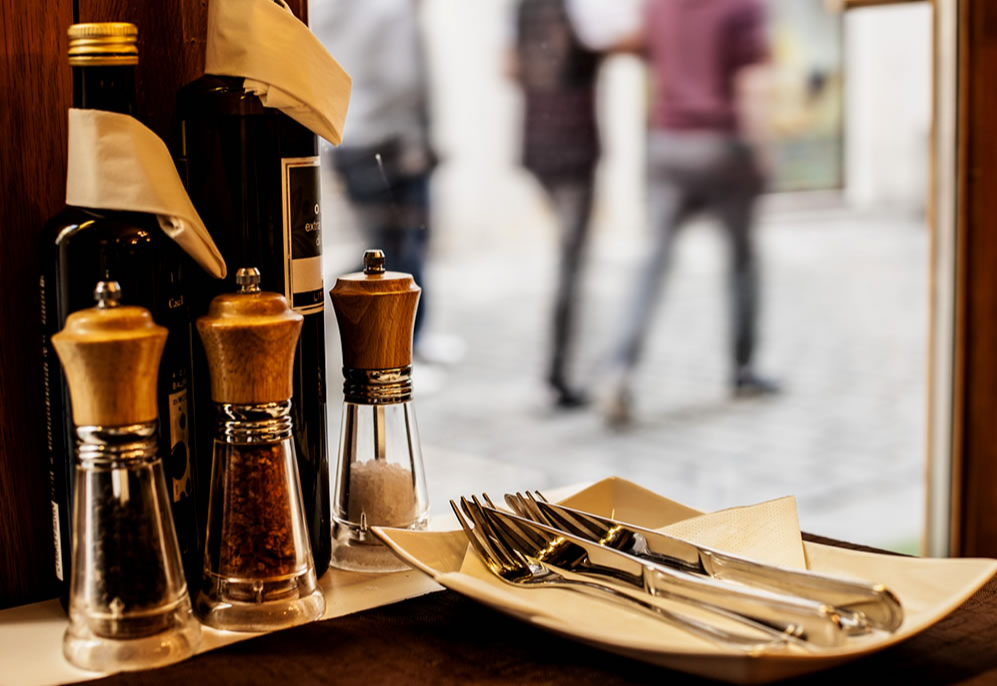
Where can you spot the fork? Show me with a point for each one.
(523, 571)
(808, 622)
(861, 605)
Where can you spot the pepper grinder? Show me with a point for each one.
(380, 479)
(128, 603)
(259, 574)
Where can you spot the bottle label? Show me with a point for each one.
(179, 451)
(57, 533)
(54, 464)
(300, 195)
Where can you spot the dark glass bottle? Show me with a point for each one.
(252, 173)
(81, 246)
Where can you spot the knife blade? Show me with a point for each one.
(880, 608)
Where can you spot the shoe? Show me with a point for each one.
(615, 398)
(617, 408)
(747, 384)
(568, 398)
(563, 396)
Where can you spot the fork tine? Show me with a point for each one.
(485, 538)
(579, 515)
(498, 527)
(521, 507)
(513, 536)
(571, 522)
(594, 525)
(515, 504)
(497, 537)
(526, 537)
(591, 526)
(533, 510)
(473, 537)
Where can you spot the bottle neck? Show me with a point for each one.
(105, 88)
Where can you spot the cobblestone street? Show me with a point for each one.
(843, 329)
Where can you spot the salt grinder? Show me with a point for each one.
(259, 574)
(380, 480)
(128, 602)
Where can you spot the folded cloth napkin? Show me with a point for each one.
(768, 532)
(281, 60)
(116, 163)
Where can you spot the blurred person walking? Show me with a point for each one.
(386, 161)
(703, 59)
(557, 74)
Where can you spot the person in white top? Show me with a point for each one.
(385, 160)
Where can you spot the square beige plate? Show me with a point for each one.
(929, 589)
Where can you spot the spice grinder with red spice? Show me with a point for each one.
(259, 573)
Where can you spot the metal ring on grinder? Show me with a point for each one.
(377, 386)
(256, 423)
(131, 442)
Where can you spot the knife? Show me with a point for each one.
(807, 620)
(872, 605)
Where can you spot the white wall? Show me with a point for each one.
(888, 106)
(482, 195)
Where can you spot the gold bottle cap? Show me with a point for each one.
(103, 44)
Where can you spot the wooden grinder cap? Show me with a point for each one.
(250, 338)
(111, 356)
(376, 312)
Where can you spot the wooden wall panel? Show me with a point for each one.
(171, 51)
(976, 447)
(37, 87)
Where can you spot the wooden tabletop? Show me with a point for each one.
(445, 639)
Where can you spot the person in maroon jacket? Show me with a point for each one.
(701, 54)
(557, 74)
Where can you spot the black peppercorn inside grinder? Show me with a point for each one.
(128, 603)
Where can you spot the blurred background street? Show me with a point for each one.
(846, 436)
(844, 320)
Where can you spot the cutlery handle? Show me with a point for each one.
(808, 620)
(873, 602)
(746, 642)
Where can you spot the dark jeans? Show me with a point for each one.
(572, 203)
(394, 213)
(687, 172)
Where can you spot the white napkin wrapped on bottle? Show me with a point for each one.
(116, 163)
(282, 61)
